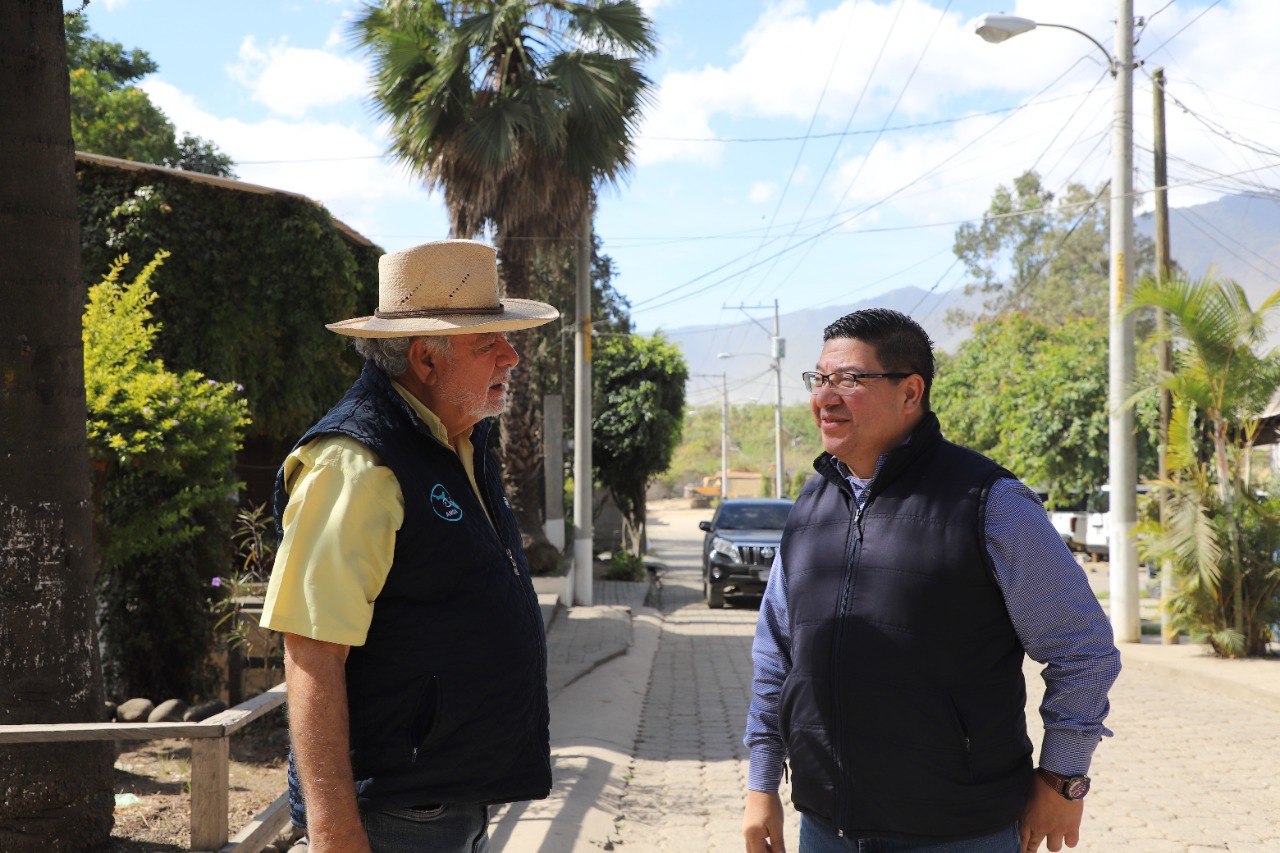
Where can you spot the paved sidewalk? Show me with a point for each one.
(598, 667)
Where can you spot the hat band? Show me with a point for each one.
(434, 312)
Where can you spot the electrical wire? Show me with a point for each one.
(1185, 26)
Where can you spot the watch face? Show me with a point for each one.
(1077, 787)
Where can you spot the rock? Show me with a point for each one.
(292, 840)
(204, 711)
(134, 710)
(168, 711)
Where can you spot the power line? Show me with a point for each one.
(1203, 12)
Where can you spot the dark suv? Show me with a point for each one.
(742, 539)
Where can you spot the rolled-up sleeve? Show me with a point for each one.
(339, 540)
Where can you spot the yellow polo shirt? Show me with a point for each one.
(340, 527)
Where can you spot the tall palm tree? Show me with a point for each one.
(518, 110)
(56, 796)
(1220, 385)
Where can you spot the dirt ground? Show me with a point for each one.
(159, 772)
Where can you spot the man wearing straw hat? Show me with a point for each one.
(414, 646)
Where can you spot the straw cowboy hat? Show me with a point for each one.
(449, 287)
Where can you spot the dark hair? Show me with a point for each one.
(901, 345)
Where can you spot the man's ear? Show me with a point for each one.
(422, 363)
(912, 391)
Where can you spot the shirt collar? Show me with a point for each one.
(432, 422)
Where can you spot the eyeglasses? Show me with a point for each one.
(843, 383)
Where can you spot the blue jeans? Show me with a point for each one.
(438, 829)
(816, 838)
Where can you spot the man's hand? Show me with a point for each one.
(1051, 818)
(318, 729)
(762, 823)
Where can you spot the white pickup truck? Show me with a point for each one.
(1070, 522)
(1098, 523)
(1071, 526)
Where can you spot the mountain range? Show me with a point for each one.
(1236, 237)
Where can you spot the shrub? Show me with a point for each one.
(162, 447)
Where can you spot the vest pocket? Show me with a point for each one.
(425, 716)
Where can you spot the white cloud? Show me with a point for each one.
(1219, 63)
(332, 163)
(762, 191)
(291, 81)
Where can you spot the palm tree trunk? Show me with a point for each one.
(1227, 492)
(57, 796)
(521, 431)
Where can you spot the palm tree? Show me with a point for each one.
(1220, 385)
(57, 796)
(519, 110)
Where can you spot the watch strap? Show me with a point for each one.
(1069, 787)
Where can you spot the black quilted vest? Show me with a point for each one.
(448, 695)
(903, 713)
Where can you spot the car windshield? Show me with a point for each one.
(753, 517)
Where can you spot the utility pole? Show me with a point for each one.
(1168, 634)
(583, 497)
(777, 351)
(1123, 464)
(724, 438)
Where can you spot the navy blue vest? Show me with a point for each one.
(903, 713)
(448, 695)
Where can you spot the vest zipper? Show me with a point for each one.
(515, 570)
(846, 592)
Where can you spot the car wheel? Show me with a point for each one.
(715, 595)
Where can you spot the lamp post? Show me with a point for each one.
(1122, 465)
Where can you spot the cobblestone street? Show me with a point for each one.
(1191, 770)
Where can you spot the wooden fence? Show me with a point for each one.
(210, 758)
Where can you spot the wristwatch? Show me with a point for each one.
(1070, 787)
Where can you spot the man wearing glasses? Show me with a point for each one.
(912, 578)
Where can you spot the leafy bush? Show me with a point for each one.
(624, 566)
(162, 447)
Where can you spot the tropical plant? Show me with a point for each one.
(1220, 534)
(162, 446)
(56, 796)
(519, 110)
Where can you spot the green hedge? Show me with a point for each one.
(250, 282)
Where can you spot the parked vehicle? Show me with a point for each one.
(1098, 524)
(1071, 522)
(738, 550)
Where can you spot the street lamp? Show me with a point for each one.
(779, 350)
(1122, 465)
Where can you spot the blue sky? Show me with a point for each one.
(816, 153)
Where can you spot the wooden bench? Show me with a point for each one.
(210, 757)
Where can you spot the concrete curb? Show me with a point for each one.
(594, 722)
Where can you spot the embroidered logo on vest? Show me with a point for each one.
(444, 505)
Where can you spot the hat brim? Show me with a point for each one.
(516, 314)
